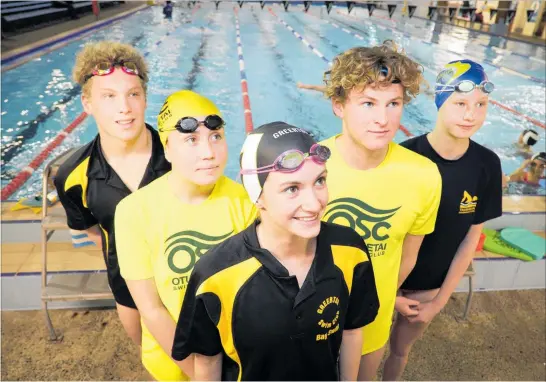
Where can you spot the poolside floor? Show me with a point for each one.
(504, 339)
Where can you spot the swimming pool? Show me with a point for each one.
(202, 55)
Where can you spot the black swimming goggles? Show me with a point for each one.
(190, 124)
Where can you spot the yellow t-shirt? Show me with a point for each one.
(383, 204)
(159, 237)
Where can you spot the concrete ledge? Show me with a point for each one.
(28, 52)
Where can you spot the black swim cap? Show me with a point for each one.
(264, 145)
(530, 137)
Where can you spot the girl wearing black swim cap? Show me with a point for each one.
(300, 289)
(289, 190)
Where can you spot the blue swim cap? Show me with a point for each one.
(455, 72)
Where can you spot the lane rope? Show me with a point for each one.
(249, 125)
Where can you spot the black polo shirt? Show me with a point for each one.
(89, 190)
(471, 194)
(242, 302)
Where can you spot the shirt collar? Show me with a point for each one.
(100, 169)
(322, 268)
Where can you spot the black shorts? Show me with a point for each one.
(425, 279)
(117, 283)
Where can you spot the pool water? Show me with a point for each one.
(200, 53)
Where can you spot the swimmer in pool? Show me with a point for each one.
(318, 88)
(531, 170)
(526, 140)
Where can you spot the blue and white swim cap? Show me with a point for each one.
(453, 74)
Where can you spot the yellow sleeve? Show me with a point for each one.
(250, 212)
(425, 222)
(134, 255)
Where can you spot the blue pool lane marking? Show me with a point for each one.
(345, 30)
(300, 37)
(509, 53)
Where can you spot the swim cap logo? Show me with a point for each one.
(445, 76)
(183, 249)
(164, 107)
(457, 69)
(367, 221)
(165, 113)
(288, 130)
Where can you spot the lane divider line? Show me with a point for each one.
(345, 30)
(249, 125)
(27, 171)
(495, 48)
(300, 37)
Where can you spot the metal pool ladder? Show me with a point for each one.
(63, 286)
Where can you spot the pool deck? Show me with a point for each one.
(22, 258)
(510, 204)
(25, 40)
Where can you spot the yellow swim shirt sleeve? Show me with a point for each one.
(432, 193)
(134, 255)
(250, 212)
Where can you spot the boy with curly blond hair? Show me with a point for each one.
(388, 194)
(125, 155)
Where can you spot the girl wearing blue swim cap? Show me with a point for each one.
(471, 195)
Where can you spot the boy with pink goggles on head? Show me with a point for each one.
(125, 155)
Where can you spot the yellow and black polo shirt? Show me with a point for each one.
(89, 190)
(241, 301)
